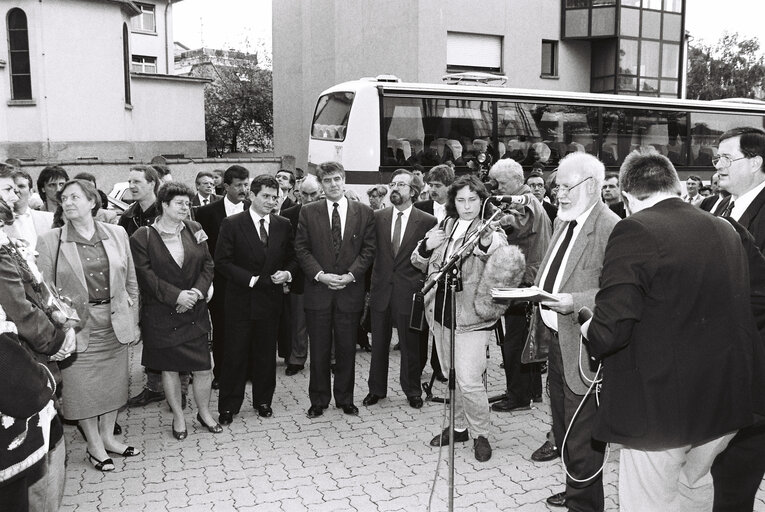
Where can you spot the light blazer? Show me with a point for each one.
(70, 279)
(315, 253)
(43, 221)
(394, 278)
(581, 278)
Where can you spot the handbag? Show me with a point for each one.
(538, 338)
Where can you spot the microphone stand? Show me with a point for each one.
(450, 274)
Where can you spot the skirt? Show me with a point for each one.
(190, 356)
(96, 381)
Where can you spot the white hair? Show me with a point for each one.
(508, 168)
(586, 165)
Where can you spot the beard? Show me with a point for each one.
(396, 199)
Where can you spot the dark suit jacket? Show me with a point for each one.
(210, 217)
(550, 210)
(292, 214)
(677, 339)
(240, 254)
(315, 253)
(709, 202)
(619, 209)
(394, 278)
(213, 198)
(425, 206)
(753, 218)
(161, 280)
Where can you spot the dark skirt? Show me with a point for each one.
(190, 356)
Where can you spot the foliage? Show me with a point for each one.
(732, 68)
(239, 109)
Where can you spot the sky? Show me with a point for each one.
(246, 24)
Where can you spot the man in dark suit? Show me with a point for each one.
(570, 269)
(335, 245)
(256, 255)
(293, 326)
(235, 180)
(612, 195)
(286, 179)
(536, 183)
(205, 183)
(738, 471)
(665, 328)
(394, 281)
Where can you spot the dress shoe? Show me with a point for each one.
(117, 429)
(104, 466)
(349, 409)
(264, 410)
(545, 453)
(365, 345)
(215, 384)
(415, 402)
(508, 405)
(226, 417)
(557, 500)
(537, 399)
(440, 377)
(180, 435)
(130, 451)
(214, 429)
(315, 411)
(146, 397)
(371, 399)
(443, 438)
(482, 449)
(293, 369)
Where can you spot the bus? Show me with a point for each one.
(374, 126)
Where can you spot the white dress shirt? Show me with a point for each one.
(342, 209)
(267, 224)
(550, 317)
(404, 221)
(202, 200)
(439, 211)
(742, 202)
(232, 208)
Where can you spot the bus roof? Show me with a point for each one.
(390, 87)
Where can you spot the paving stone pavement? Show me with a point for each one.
(379, 460)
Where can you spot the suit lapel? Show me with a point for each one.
(69, 252)
(411, 227)
(251, 233)
(188, 241)
(753, 209)
(385, 219)
(351, 222)
(581, 243)
(114, 255)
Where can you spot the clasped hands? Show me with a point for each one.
(335, 281)
(186, 301)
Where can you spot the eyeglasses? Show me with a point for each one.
(398, 184)
(564, 188)
(724, 161)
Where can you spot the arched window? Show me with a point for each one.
(126, 61)
(18, 44)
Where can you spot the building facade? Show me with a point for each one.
(104, 91)
(573, 45)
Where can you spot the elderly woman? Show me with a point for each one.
(490, 263)
(175, 271)
(90, 262)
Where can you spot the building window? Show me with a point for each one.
(146, 21)
(144, 64)
(18, 45)
(549, 58)
(126, 61)
(473, 52)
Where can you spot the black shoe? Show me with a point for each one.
(293, 369)
(443, 438)
(226, 417)
(545, 453)
(557, 500)
(215, 384)
(364, 343)
(264, 410)
(117, 429)
(180, 435)
(214, 429)
(371, 399)
(482, 449)
(104, 466)
(130, 451)
(440, 377)
(415, 402)
(349, 409)
(315, 411)
(508, 405)
(146, 397)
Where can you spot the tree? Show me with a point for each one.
(732, 68)
(239, 109)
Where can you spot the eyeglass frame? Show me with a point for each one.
(717, 158)
(398, 184)
(567, 190)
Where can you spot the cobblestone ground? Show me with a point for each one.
(379, 460)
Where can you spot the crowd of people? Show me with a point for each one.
(291, 266)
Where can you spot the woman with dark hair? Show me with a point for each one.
(49, 183)
(175, 271)
(91, 263)
(489, 263)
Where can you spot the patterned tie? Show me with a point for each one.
(728, 210)
(337, 235)
(397, 234)
(554, 268)
(205, 201)
(263, 232)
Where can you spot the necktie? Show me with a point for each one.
(205, 201)
(552, 273)
(337, 235)
(728, 209)
(263, 232)
(397, 233)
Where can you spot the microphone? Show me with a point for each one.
(519, 200)
(584, 314)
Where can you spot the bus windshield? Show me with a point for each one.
(330, 120)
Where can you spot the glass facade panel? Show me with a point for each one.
(631, 3)
(670, 60)
(604, 22)
(649, 87)
(652, 4)
(673, 5)
(575, 4)
(596, 3)
(577, 22)
(651, 24)
(626, 130)
(649, 58)
(603, 57)
(630, 22)
(669, 86)
(628, 57)
(673, 27)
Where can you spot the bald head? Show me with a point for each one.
(309, 189)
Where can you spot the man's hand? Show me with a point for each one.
(66, 348)
(564, 305)
(342, 281)
(280, 276)
(187, 299)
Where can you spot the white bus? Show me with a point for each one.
(373, 126)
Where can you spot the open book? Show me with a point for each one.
(531, 294)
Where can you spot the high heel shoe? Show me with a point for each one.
(105, 465)
(215, 429)
(130, 451)
(180, 436)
